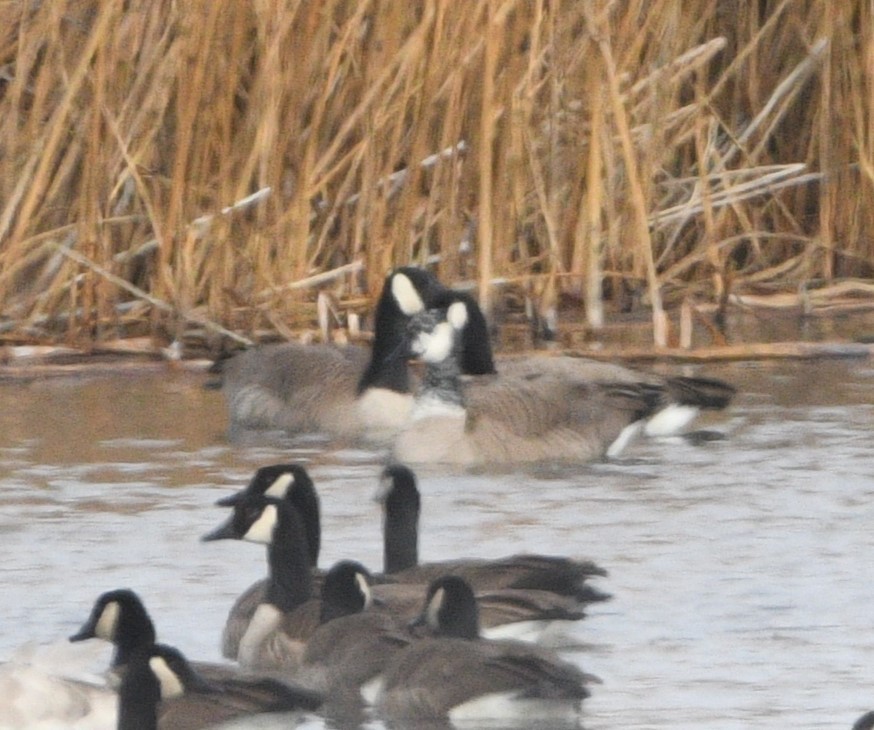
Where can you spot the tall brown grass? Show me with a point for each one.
(644, 151)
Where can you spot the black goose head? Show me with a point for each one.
(293, 483)
(407, 291)
(434, 335)
(450, 609)
(120, 617)
(154, 673)
(278, 525)
(345, 590)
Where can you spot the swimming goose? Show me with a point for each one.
(356, 393)
(510, 419)
(351, 391)
(401, 503)
(454, 674)
(160, 689)
(866, 722)
(353, 643)
(291, 482)
(120, 618)
(275, 636)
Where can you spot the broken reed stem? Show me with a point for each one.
(146, 297)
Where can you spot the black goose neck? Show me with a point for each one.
(304, 498)
(401, 532)
(288, 555)
(138, 699)
(134, 632)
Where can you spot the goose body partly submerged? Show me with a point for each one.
(455, 674)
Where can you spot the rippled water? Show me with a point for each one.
(740, 569)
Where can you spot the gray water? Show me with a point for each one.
(741, 569)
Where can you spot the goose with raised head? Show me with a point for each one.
(401, 506)
(510, 419)
(523, 613)
(287, 615)
(454, 674)
(350, 391)
(282, 481)
(161, 691)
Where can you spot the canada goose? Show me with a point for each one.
(866, 722)
(351, 392)
(353, 642)
(401, 503)
(345, 391)
(287, 611)
(160, 689)
(280, 625)
(509, 419)
(454, 674)
(120, 618)
(291, 482)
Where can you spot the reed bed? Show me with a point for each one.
(169, 168)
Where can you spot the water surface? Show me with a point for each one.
(740, 569)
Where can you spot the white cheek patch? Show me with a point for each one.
(171, 685)
(436, 346)
(280, 486)
(106, 624)
(262, 529)
(405, 295)
(364, 587)
(456, 315)
(432, 612)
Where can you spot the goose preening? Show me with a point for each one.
(510, 419)
(454, 674)
(346, 391)
(563, 413)
(367, 394)
(161, 691)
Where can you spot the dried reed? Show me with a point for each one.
(213, 159)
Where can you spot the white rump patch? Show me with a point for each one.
(670, 420)
(406, 295)
(622, 440)
(171, 685)
(261, 530)
(280, 485)
(106, 624)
